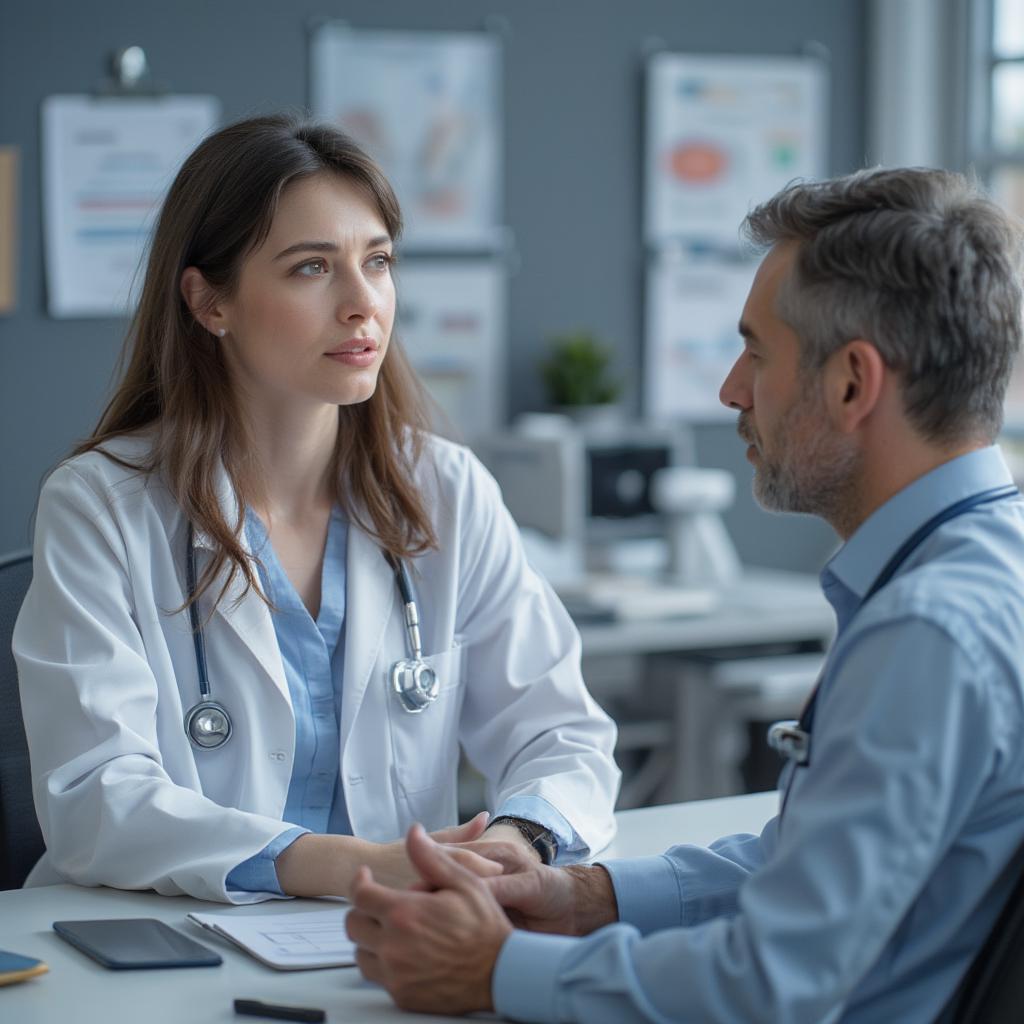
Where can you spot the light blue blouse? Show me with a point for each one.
(313, 654)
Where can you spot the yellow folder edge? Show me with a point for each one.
(10, 977)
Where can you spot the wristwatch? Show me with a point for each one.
(540, 838)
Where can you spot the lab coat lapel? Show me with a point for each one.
(248, 615)
(369, 599)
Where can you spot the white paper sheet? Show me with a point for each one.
(107, 164)
(692, 337)
(451, 319)
(287, 942)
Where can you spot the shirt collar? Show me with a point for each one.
(863, 557)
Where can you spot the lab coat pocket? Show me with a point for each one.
(425, 745)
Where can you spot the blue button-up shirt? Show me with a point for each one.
(868, 898)
(313, 655)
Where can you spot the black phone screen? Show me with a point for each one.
(135, 942)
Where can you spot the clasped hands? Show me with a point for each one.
(434, 945)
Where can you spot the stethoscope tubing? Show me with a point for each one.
(805, 725)
(413, 681)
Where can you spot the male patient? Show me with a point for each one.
(878, 338)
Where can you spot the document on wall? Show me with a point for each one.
(107, 165)
(287, 942)
(451, 320)
(691, 335)
(427, 107)
(725, 133)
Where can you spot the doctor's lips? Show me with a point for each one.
(355, 352)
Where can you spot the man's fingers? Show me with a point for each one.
(464, 833)
(435, 865)
(363, 929)
(481, 866)
(371, 897)
(369, 964)
(511, 890)
(510, 856)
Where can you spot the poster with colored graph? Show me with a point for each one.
(107, 165)
(723, 134)
(427, 107)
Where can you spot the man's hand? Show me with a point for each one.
(568, 901)
(433, 951)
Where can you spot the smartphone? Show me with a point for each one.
(135, 942)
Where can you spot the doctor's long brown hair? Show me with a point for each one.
(175, 383)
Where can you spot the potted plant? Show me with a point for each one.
(577, 377)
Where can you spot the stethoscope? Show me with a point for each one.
(208, 723)
(792, 738)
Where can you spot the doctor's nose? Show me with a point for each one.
(358, 300)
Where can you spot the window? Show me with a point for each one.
(996, 135)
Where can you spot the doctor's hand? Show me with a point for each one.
(391, 865)
(433, 951)
(326, 865)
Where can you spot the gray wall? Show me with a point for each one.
(572, 138)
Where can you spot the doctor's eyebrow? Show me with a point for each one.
(313, 246)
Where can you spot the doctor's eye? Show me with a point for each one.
(381, 261)
(312, 268)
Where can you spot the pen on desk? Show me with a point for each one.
(255, 1008)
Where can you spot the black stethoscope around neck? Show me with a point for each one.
(208, 724)
(792, 738)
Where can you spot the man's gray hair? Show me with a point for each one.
(921, 264)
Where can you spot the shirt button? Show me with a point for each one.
(278, 755)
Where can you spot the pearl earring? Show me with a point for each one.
(221, 332)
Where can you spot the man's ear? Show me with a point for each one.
(202, 301)
(854, 377)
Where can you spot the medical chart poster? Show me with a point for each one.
(452, 323)
(427, 107)
(726, 133)
(107, 165)
(691, 334)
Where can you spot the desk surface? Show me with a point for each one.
(765, 606)
(78, 991)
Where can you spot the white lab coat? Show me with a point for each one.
(106, 672)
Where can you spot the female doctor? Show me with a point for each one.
(225, 689)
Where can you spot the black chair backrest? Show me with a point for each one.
(21, 842)
(992, 990)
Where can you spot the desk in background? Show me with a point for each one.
(79, 991)
(661, 679)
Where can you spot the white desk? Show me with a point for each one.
(79, 991)
(765, 607)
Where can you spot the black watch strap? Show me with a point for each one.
(540, 838)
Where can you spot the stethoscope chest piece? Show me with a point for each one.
(208, 724)
(415, 683)
(790, 740)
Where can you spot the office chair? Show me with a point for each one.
(992, 990)
(21, 842)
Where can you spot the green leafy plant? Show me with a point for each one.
(577, 371)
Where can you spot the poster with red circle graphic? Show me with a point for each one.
(723, 134)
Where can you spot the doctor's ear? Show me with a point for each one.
(202, 302)
(854, 376)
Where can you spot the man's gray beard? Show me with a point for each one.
(815, 476)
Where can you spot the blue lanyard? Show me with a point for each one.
(913, 542)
